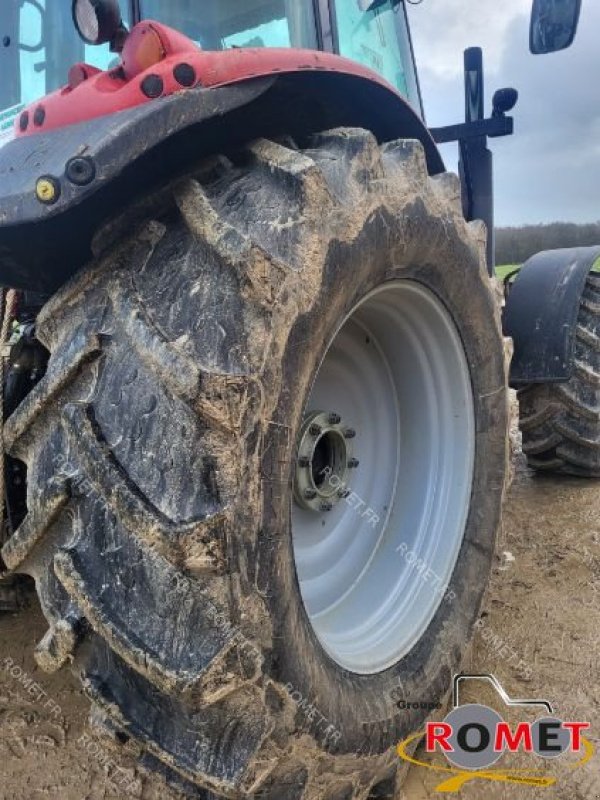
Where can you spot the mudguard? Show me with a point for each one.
(541, 314)
(134, 151)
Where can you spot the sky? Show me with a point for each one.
(550, 169)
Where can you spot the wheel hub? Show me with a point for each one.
(324, 461)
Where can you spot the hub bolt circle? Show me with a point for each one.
(322, 462)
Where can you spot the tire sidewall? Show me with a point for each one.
(361, 709)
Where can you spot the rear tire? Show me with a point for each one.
(161, 447)
(560, 422)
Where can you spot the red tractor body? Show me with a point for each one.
(158, 62)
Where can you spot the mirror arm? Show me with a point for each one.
(493, 127)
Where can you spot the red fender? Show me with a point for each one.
(177, 64)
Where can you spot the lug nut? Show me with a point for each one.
(325, 507)
(315, 430)
(304, 461)
(353, 463)
(350, 433)
(334, 419)
(310, 494)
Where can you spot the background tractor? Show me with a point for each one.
(553, 316)
(256, 394)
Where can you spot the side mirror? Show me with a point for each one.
(99, 22)
(553, 25)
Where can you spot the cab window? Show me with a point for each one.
(38, 45)
(221, 24)
(378, 39)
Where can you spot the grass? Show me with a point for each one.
(504, 270)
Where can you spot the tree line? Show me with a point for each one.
(517, 244)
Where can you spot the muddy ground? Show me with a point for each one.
(540, 636)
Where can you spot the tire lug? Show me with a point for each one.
(349, 433)
(315, 430)
(325, 507)
(310, 494)
(353, 463)
(334, 419)
(343, 494)
(58, 644)
(304, 461)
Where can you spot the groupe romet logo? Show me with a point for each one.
(474, 737)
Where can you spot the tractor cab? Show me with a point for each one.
(37, 49)
(373, 34)
(38, 44)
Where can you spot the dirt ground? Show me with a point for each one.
(540, 633)
(540, 636)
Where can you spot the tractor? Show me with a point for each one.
(255, 389)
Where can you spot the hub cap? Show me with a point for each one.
(383, 477)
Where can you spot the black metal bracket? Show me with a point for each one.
(476, 160)
(494, 127)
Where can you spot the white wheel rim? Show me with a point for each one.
(374, 570)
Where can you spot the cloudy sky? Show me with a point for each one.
(550, 169)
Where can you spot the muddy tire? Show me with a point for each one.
(161, 452)
(560, 422)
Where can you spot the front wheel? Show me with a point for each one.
(266, 467)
